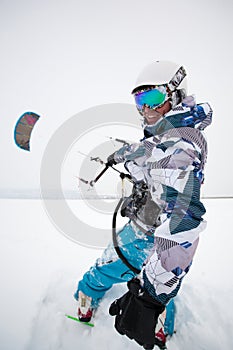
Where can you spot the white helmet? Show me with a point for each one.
(166, 73)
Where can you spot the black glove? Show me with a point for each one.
(137, 314)
(111, 161)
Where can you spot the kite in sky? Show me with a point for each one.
(23, 129)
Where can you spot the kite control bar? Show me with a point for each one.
(99, 176)
(93, 182)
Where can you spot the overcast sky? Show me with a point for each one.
(61, 57)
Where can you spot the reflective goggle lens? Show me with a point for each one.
(151, 98)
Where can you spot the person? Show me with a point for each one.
(165, 212)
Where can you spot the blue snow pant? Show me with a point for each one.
(109, 269)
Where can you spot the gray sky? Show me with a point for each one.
(61, 57)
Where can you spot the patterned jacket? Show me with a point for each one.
(170, 160)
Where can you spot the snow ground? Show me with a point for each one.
(40, 269)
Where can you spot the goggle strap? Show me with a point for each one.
(177, 78)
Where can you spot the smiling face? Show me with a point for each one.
(153, 115)
(152, 102)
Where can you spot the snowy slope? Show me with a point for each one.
(40, 269)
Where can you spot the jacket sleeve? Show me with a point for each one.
(174, 183)
(129, 152)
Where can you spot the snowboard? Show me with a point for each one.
(77, 320)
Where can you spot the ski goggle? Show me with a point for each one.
(152, 98)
